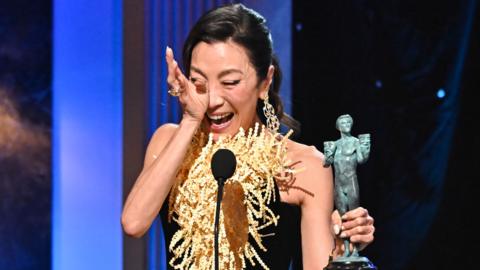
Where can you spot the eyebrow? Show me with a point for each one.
(223, 73)
(229, 71)
(198, 71)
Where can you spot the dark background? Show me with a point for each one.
(383, 63)
(25, 128)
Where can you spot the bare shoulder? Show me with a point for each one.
(308, 155)
(164, 131)
(313, 178)
(159, 140)
(303, 151)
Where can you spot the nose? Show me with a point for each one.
(215, 97)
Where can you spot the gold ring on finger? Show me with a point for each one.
(175, 91)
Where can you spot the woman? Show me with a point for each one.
(231, 82)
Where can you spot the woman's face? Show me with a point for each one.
(232, 84)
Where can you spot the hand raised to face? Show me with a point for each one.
(193, 96)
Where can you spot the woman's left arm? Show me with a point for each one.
(317, 234)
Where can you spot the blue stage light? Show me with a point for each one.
(441, 93)
(87, 135)
(299, 27)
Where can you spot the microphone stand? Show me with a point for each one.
(221, 183)
(223, 167)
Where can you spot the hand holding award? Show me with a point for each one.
(345, 153)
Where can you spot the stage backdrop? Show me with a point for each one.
(87, 135)
(400, 69)
(25, 113)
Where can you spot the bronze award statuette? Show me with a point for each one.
(345, 153)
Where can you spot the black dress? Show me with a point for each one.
(283, 248)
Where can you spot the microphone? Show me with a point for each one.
(223, 167)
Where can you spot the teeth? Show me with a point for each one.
(218, 117)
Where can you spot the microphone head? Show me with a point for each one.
(223, 164)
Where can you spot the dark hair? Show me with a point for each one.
(246, 28)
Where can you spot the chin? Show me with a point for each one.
(231, 131)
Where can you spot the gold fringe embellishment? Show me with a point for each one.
(261, 157)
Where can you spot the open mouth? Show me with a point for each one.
(219, 120)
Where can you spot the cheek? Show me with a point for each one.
(245, 103)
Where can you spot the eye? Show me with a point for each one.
(231, 82)
(198, 81)
(195, 80)
(200, 84)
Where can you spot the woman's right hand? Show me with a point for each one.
(193, 97)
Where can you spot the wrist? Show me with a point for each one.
(189, 121)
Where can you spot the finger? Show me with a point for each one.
(201, 86)
(180, 77)
(360, 221)
(184, 87)
(357, 212)
(359, 230)
(178, 72)
(347, 225)
(336, 222)
(185, 95)
(179, 80)
(175, 78)
(171, 77)
(169, 58)
(171, 67)
(362, 239)
(169, 52)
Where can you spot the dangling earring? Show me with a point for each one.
(272, 120)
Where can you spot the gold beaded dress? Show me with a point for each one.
(257, 230)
